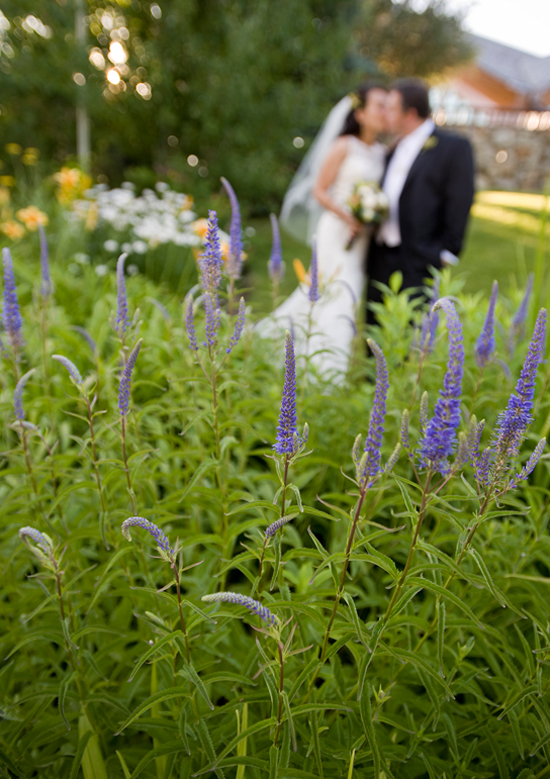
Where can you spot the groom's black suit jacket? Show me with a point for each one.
(433, 212)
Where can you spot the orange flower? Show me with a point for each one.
(13, 230)
(200, 226)
(187, 204)
(91, 217)
(32, 217)
(224, 246)
(300, 271)
(71, 183)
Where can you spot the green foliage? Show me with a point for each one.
(232, 82)
(95, 675)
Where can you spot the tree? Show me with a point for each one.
(201, 88)
(403, 41)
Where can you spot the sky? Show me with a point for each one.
(523, 24)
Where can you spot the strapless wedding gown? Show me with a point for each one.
(324, 331)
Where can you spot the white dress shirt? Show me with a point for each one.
(407, 150)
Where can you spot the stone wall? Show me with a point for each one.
(509, 158)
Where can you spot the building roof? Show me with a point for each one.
(525, 73)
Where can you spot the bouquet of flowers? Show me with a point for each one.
(368, 204)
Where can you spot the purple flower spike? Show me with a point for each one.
(239, 327)
(122, 321)
(18, 395)
(212, 317)
(161, 540)
(40, 539)
(517, 327)
(87, 337)
(11, 315)
(243, 600)
(285, 442)
(235, 234)
(211, 261)
(277, 525)
(513, 423)
(124, 389)
(46, 283)
(438, 441)
(314, 275)
(529, 466)
(71, 367)
(275, 265)
(405, 439)
(190, 324)
(373, 441)
(485, 344)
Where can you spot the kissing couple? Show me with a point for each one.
(420, 190)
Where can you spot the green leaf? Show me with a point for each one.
(368, 727)
(418, 662)
(441, 613)
(63, 688)
(355, 618)
(153, 650)
(159, 697)
(122, 761)
(82, 744)
(290, 721)
(450, 596)
(188, 672)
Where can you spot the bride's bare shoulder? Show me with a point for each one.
(341, 143)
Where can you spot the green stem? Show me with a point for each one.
(182, 620)
(349, 548)
(281, 681)
(421, 514)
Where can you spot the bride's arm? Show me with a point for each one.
(327, 175)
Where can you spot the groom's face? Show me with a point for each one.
(395, 115)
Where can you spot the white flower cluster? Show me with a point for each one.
(150, 219)
(369, 203)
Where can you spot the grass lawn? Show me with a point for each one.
(501, 244)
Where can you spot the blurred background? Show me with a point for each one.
(185, 91)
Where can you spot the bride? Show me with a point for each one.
(315, 210)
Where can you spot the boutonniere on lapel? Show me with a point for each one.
(429, 143)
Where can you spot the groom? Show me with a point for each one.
(429, 181)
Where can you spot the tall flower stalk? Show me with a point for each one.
(78, 381)
(288, 444)
(166, 553)
(439, 437)
(485, 344)
(367, 471)
(122, 321)
(123, 405)
(11, 314)
(23, 429)
(426, 336)
(42, 547)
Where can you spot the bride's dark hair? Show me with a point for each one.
(359, 97)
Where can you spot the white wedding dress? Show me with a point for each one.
(324, 331)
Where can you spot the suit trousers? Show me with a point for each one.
(383, 261)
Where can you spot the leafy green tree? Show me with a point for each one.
(195, 89)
